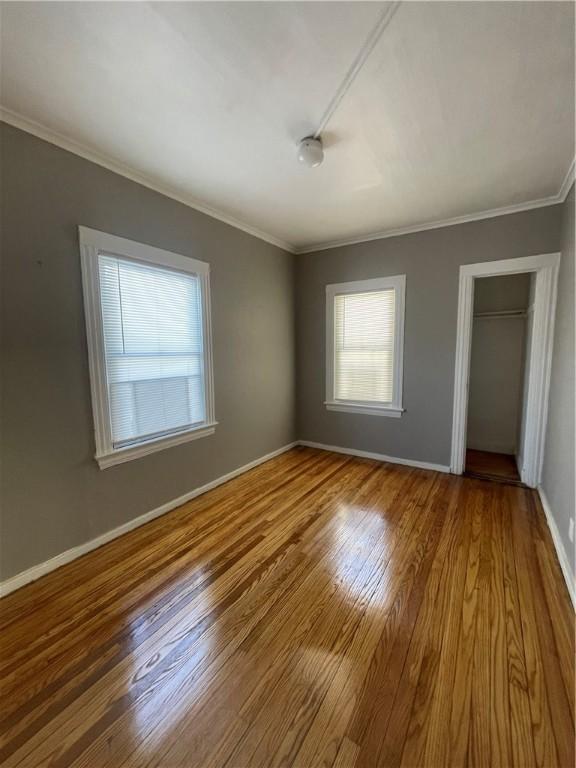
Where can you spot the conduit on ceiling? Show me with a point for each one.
(310, 150)
(371, 41)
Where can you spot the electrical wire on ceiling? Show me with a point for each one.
(371, 41)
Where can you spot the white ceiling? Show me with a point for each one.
(461, 107)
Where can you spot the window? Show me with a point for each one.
(364, 345)
(149, 346)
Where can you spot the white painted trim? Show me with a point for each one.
(398, 283)
(464, 323)
(93, 243)
(546, 268)
(569, 577)
(540, 372)
(122, 455)
(52, 137)
(425, 226)
(567, 183)
(151, 254)
(492, 213)
(514, 266)
(364, 408)
(21, 579)
(376, 456)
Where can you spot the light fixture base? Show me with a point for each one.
(310, 152)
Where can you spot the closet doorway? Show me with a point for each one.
(509, 404)
(502, 316)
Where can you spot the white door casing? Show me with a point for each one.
(545, 267)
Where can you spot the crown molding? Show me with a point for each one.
(47, 134)
(36, 129)
(465, 219)
(567, 183)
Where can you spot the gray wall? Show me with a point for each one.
(497, 364)
(559, 460)
(431, 261)
(54, 496)
(498, 294)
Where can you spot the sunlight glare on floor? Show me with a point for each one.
(361, 539)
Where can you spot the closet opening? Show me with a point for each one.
(503, 311)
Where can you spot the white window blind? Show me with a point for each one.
(364, 331)
(152, 327)
(364, 346)
(149, 346)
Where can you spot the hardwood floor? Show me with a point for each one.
(492, 466)
(320, 610)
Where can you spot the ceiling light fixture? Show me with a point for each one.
(310, 151)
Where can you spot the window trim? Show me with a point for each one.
(394, 408)
(92, 244)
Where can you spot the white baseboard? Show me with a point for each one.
(559, 546)
(25, 577)
(377, 456)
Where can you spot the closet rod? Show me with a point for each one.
(502, 313)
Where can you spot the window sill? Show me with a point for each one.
(152, 446)
(362, 408)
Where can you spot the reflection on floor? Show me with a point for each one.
(319, 610)
(492, 466)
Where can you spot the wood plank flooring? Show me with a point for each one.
(320, 610)
(492, 466)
